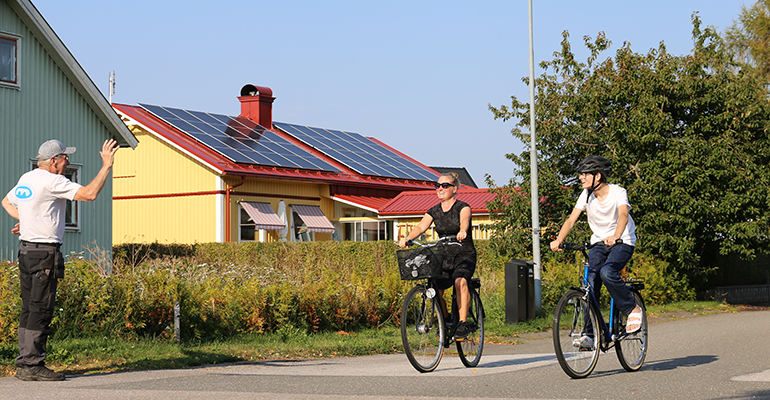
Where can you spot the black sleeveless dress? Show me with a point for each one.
(458, 260)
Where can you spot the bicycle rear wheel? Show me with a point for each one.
(573, 320)
(632, 349)
(422, 329)
(471, 348)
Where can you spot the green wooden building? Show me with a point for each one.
(45, 94)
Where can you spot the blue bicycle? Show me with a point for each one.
(580, 331)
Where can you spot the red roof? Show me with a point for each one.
(411, 203)
(227, 167)
(367, 201)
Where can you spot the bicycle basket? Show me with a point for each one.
(420, 263)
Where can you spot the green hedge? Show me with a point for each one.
(226, 289)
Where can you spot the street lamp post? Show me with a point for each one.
(533, 169)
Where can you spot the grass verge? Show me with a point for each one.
(103, 355)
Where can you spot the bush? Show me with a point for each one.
(663, 284)
(228, 289)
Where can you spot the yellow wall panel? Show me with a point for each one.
(188, 219)
(157, 168)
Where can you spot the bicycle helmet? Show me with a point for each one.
(593, 164)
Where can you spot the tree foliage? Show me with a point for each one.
(687, 136)
(749, 37)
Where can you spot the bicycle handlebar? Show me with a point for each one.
(447, 239)
(584, 246)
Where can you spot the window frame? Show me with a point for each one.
(16, 82)
(357, 230)
(260, 235)
(296, 230)
(72, 210)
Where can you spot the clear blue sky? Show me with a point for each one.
(418, 75)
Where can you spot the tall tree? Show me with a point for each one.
(749, 37)
(688, 137)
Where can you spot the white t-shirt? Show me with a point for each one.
(603, 215)
(41, 198)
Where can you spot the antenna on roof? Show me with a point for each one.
(112, 84)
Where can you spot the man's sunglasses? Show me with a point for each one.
(443, 185)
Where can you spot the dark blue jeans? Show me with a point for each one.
(605, 264)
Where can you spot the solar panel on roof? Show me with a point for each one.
(359, 153)
(239, 139)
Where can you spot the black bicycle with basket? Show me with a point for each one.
(424, 332)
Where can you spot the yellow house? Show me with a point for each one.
(204, 177)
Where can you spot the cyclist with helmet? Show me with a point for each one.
(607, 208)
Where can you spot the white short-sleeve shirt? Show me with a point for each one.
(41, 198)
(603, 215)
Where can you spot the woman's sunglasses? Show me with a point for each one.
(442, 185)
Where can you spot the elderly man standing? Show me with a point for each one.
(39, 202)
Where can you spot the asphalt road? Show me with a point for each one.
(722, 356)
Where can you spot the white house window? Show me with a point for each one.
(257, 217)
(72, 215)
(9, 60)
(247, 227)
(368, 230)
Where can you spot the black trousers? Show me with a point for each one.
(39, 264)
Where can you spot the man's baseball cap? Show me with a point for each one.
(53, 148)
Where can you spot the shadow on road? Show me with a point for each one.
(674, 363)
(756, 394)
(517, 361)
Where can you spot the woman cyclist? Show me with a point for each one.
(607, 208)
(452, 218)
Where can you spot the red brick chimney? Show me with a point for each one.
(257, 104)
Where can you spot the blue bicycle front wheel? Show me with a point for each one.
(575, 334)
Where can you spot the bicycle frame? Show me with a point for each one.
(608, 333)
(423, 324)
(577, 348)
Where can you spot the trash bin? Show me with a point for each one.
(519, 291)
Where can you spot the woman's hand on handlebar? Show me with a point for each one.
(461, 235)
(403, 243)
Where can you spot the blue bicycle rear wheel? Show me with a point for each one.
(631, 349)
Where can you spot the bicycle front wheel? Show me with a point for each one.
(422, 328)
(471, 347)
(575, 334)
(632, 348)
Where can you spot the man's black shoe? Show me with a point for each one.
(461, 333)
(38, 373)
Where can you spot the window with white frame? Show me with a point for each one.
(9, 59)
(72, 213)
(247, 227)
(300, 231)
(368, 230)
